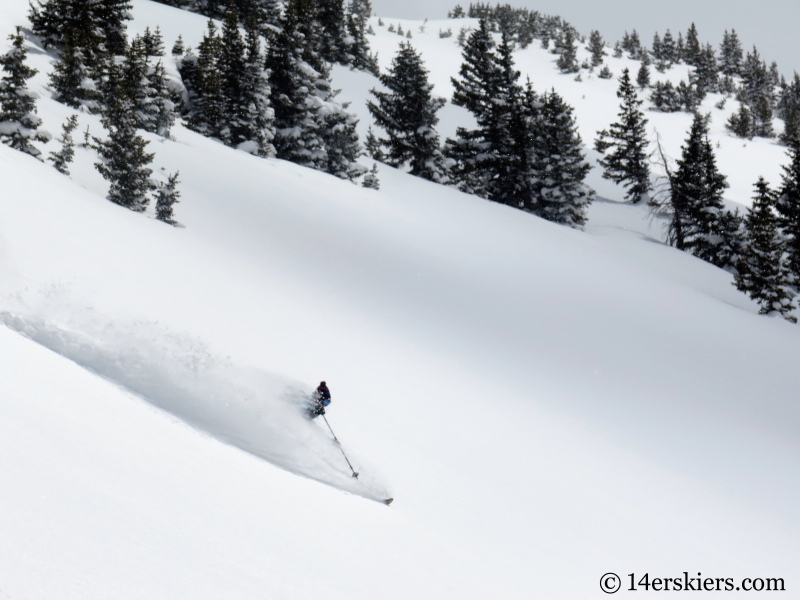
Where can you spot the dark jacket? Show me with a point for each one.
(323, 395)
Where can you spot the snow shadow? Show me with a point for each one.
(252, 409)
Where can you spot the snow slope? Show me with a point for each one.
(546, 405)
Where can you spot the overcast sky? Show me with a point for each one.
(772, 25)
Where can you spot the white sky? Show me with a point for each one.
(773, 25)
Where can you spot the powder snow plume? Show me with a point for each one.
(252, 409)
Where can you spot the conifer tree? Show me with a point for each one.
(731, 53)
(692, 48)
(669, 52)
(63, 157)
(340, 140)
(605, 73)
(762, 117)
(18, 121)
(177, 48)
(295, 70)
(568, 61)
(204, 86)
(373, 146)
(656, 50)
(624, 146)
(371, 180)
(153, 42)
(761, 271)
(258, 129)
(333, 31)
(407, 113)
(123, 160)
(597, 48)
(755, 79)
(230, 65)
(71, 80)
(665, 97)
(166, 196)
(740, 123)
(788, 205)
(706, 73)
(643, 77)
(359, 55)
(560, 166)
(699, 186)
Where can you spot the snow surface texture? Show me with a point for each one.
(548, 405)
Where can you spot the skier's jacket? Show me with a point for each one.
(323, 395)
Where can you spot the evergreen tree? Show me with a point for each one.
(63, 157)
(597, 48)
(357, 28)
(123, 160)
(568, 61)
(669, 52)
(71, 80)
(692, 48)
(371, 178)
(605, 73)
(762, 117)
(295, 69)
(656, 50)
(731, 53)
(706, 73)
(232, 72)
(407, 113)
(740, 123)
(624, 147)
(788, 205)
(643, 77)
(680, 49)
(18, 121)
(160, 107)
(333, 31)
(340, 140)
(665, 97)
(373, 146)
(257, 123)
(153, 42)
(204, 86)
(167, 196)
(791, 128)
(762, 271)
(755, 79)
(560, 166)
(177, 48)
(699, 186)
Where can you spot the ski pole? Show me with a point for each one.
(340, 447)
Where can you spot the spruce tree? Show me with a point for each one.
(295, 68)
(755, 79)
(624, 146)
(231, 68)
(692, 48)
(258, 129)
(204, 86)
(665, 97)
(762, 271)
(597, 48)
(740, 123)
(559, 166)
(333, 31)
(63, 157)
(706, 73)
(340, 140)
(788, 205)
(359, 55)
(568, 61)
(18, 121)
(407, 113)
(731, 53)
(643, 77)
(669, 52)
(123, 160)
(699, 186)
(166, 196)
(153, 42)
(71, 80)
(373, 146)
(177, 48)
(371, 180)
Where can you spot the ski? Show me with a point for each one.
(388, 501)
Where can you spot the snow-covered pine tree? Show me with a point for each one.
(568, 60)
(295, 68)
(153, 42)
(762, 117)
(371, 180)
(63, 157)
(560, 167)
(669, 52)
(740, 123)
(755, 79)
(204, 86)
(788, 205)
(730, 53)
(178, 48)
(597, 48)
(112, 15)
(373, 146)
(230, 65)
(161, 108)
(643, 76)
(71, 80)
(340, 140)
(333, 31)
(166, 197)
(791, 127)
(665, 97)
(359, 55)
(123, 160)
(624, 146)
(656, 50)
(762, 272)
(605, 73)
(706, 73)
(407, 113)
(692, 48)
(698, 186)
(258, 118)
(19, 124)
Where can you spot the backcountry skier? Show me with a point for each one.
(321, 398)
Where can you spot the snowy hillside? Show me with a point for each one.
(545, 405)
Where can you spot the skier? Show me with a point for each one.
(321, 398)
